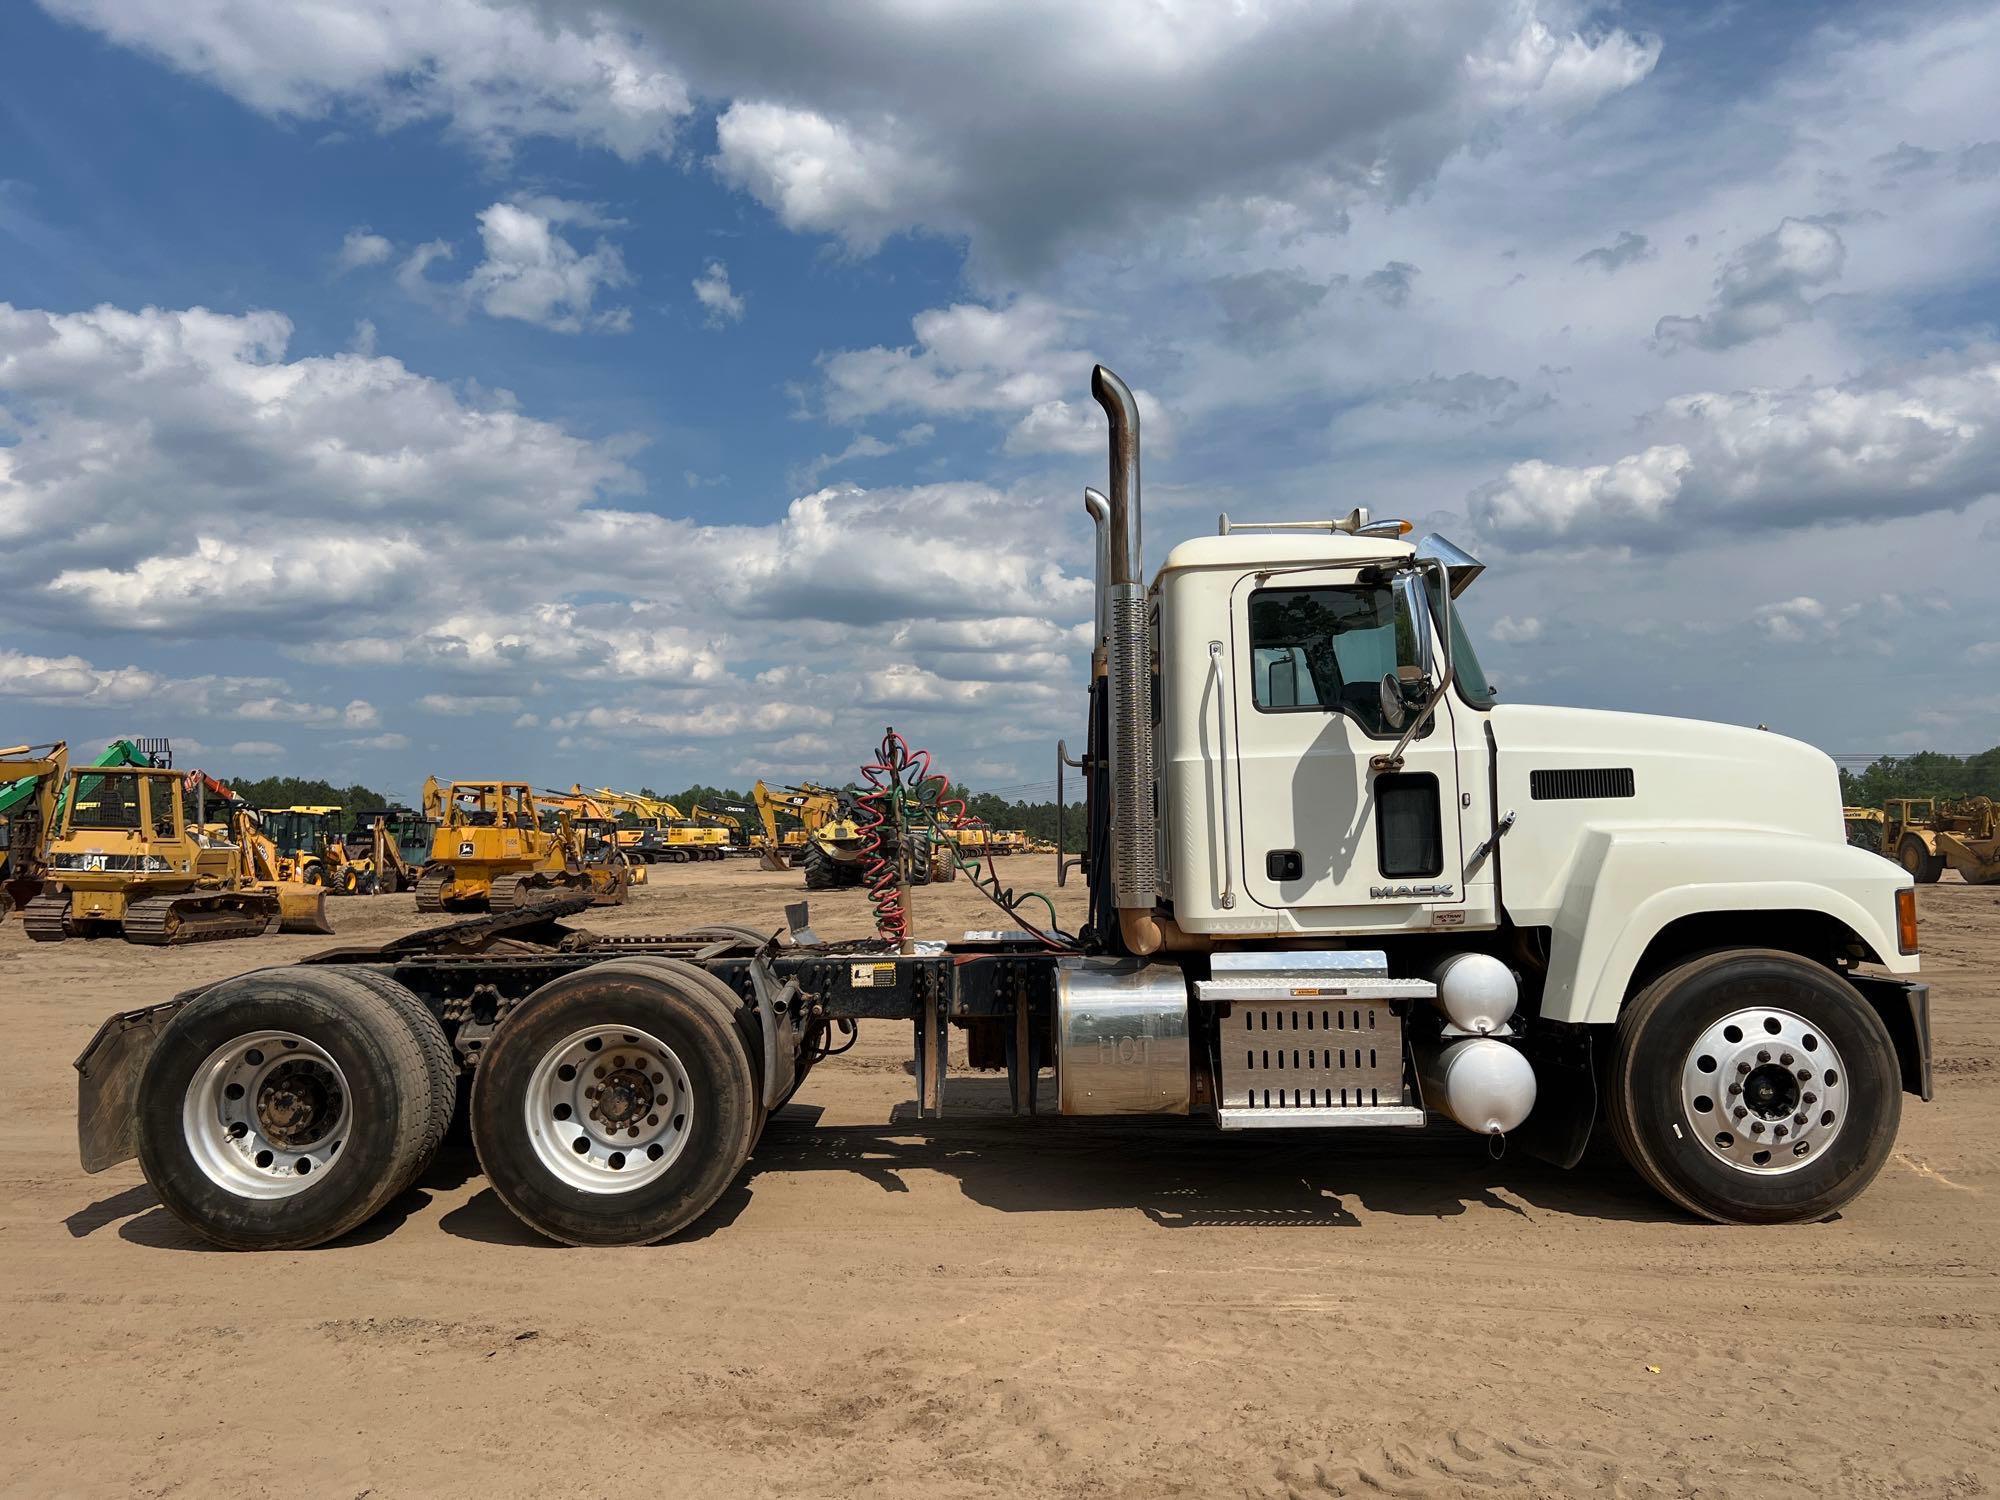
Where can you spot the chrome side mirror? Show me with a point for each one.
(1392, 701)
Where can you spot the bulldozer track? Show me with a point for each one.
(512, 892)
(430, 891)
(172, 921)
(45, 919)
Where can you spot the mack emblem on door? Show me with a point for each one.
(1409, 892)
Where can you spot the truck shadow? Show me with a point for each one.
(1175, 1174)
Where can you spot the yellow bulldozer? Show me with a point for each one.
(1928, 835)
(130, 856)
(491, 852)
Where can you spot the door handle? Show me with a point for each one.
(1228, 898)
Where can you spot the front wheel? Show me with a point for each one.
(614, 1106)
(1915, 856)
(1754, 1087)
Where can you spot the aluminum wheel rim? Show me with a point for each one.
(266, 1114)
(609, 1109)
(1765, 1092)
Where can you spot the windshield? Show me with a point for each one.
(106, 802)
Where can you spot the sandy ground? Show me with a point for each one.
(1042, 1307)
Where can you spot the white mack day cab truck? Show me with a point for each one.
(1332, 884)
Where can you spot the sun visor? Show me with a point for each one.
(1461, 566)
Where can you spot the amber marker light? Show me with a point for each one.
(1906, 919)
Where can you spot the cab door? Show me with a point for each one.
(1320, 831)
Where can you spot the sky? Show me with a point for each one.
(661, 391)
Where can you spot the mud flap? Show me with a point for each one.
(1558, 1129)
(107, 1087)
(1905, 1008)
(777, 1015)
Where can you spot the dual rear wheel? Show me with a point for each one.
(287, 1107)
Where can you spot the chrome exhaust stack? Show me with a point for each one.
(1121, 599)
(1099, 510)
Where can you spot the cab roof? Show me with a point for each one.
(1283, 549)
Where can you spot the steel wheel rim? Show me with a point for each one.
(266, 1114)
(609, 1109)
(1764, 1091)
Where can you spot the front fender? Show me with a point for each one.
(1629, 883)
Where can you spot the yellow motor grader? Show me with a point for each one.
(129, 856)
(490, 852)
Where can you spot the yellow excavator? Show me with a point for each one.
(658, 830)
(31, 784)
(130, 856)
(490, 852)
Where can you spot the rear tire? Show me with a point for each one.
(677, 1082)
(1789, 1044)
(440, 1058)
(324, 1070)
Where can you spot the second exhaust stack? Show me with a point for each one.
(1135, 866)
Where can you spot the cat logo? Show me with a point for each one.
(1410, 892)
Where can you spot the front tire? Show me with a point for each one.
(282, 1109)
(1914, 856)
(1754, 1087)
(614, 1106)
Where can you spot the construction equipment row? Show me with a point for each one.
(1927, 836)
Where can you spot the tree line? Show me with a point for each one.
(1925, 774)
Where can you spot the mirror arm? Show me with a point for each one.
(1393, 761)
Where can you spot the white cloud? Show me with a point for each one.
(860, 179)
(390, 741)
(1762, 287)
(361, 248)
(1516, 632)
(1899, 441)
(1016, 360)
(462, 705)
(253, 749)
(718, 300)
(299, 488)
(1048, 123)
(494, 73)
(528, 271)
(1793, 620)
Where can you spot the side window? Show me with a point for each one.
(1328, 649)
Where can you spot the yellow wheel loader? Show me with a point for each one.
(491, 853)
(129, 857)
